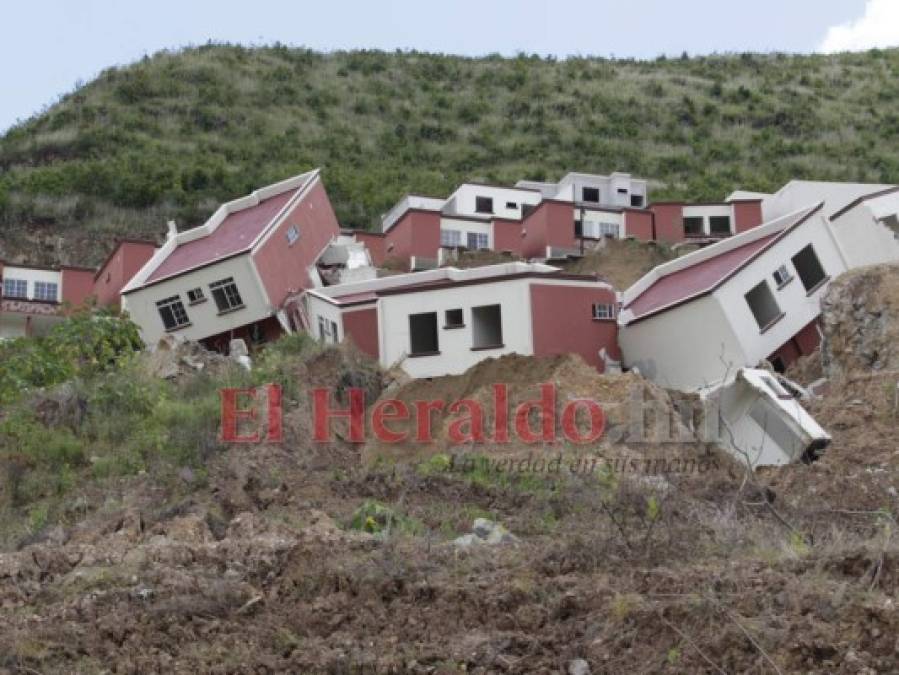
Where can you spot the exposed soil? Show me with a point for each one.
(256, 568)
(621, 262)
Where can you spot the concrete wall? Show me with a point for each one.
(799, 307)
(204, 317)
(563, 321)
(747, 214)
(32, 274)
(669, 222)
(863, 238)
(417, 233)
(455, 344)
(639, 224)
(77, 285)
(685, 348)
(376, 243)
(361, 325)
(282, 267)
(124, 262)
(550, 224)
(463, 200)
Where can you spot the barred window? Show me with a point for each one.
(226, 295)
(46, 290)
(15, 288)
(172, 312)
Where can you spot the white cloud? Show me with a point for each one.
(877, 27)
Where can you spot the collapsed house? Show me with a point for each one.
(229, 277)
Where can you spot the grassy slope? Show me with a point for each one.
(174, 134)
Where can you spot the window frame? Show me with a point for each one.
(416, 316)
(701, 220)
(778, 315)
(292, 234)
(174, 306)
(787, 276)
(713, 232)
(446, 242)
(809, 287)
(447, 324)
(608, 314)
(592, 190)
(221, 289)
(15, 294)
(36, 295)
(193, 298)
(483, 204)
(477, 236)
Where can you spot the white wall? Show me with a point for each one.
(316, 307)
(684, 348)
(706, 211)
(204, 317)
(463, 200)
(799, 308)
(466, 226)
(593, 218)
(30, 275)
(455, 344)
(863, 239)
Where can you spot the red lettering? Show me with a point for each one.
(500, 414)
(322, 413)
(423, 419)
(475, 422)
(546, 405)
(231, 415)
(380, 415)
(569, 421)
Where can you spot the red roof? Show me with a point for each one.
(703, 276)
(234, 235)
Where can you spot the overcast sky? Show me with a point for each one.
(46, 46)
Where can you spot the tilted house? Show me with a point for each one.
(693, 322)
(229, 277)
(443, 321)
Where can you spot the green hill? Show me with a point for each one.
(176, 133)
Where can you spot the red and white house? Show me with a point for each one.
(443, 321)
(36, 298)
(693, 322)
(544, 221)
(229, 278)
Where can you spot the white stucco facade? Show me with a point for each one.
(204, 317)
(868, 234)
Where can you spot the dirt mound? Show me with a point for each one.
(635, 410)
(621, 261)
(861, 321)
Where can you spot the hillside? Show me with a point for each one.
(174, 134)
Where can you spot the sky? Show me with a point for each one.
(47, 46)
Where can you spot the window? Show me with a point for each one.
(195, 295)
(477, 240)
(808, 267)
(423, 334)
(454, 318)
(327, 330)
(173, 313)
(45, 290)
(603, 311)
(483, 204)
(782, 276)
(693, 226)
(763, 305)
(15, 288)
(622, 191)
(293, 233)
(637, 200)
(579, 228)
(487, 327)
(450, 238)
(511, 205)
(590, 194)
(226, 295)
(719, 225)
(609, 230)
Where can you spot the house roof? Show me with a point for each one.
(861, 200)
(232, 230)
(688, 282)
(235, 234)
(703, 271)
(360, 292)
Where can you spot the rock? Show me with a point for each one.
(238, 352)
(483, 527)
(486, 532)
(578, 667)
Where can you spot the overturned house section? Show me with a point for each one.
(761, 423)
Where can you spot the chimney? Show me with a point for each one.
(173, 230)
